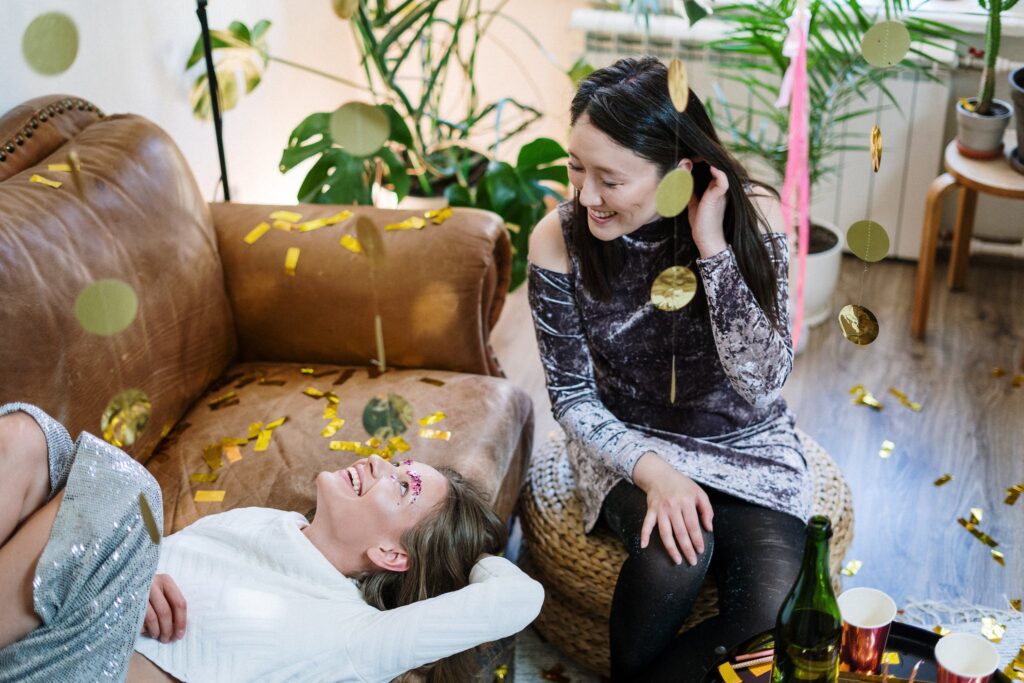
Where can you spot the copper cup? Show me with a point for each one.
(965, 658)
(867, 615)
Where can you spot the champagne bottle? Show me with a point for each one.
(809, 628)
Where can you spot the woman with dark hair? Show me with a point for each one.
(673, 417)
(392, 574)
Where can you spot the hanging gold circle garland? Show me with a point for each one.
(674, 288)
(673, 193)
(50, 43)
(868, 241)
(886, 44)
(360, 128)
(876, 148)
(858, 324)
(678, 85)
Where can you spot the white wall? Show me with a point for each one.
(132, 54)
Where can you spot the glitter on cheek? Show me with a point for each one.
(417, 484)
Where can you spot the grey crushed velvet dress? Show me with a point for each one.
(608, 367)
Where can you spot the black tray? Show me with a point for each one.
(912, 644)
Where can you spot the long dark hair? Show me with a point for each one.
(629, 102)
(442, 550)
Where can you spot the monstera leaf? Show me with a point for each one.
(238, 53)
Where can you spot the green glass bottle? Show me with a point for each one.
(809, 628)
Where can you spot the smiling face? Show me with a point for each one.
(615, 185)
(367, 507)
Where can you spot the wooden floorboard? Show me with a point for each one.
(971, 425)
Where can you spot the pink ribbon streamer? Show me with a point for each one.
(793, 92)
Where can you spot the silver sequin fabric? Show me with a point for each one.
(608, 369)
(91, 585)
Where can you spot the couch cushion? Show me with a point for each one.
(142, 220)
(490, 421)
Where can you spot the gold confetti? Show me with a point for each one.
(291, 259)
(351, 243)
(432, 381)
(997, 372)
(992, 630)
(59, 167)
(399, 444)
(859, 325)
(891, 658)
(674, 288)
(410, 223)
(254, 430)
(678, 85)
(332, 397)
(913, 405)
(256, 233)
(125, 417)
(221, 401)
(500, 673)
(331, 411)
(966, 104)
(284, 225)
(313, 392)
(271, 382)
(941, 630)
(232, 453)
(274, 424)
(233, 441)
(977, 533)
(374, 442)
(1015, 604)
(728, 674)
(289, 216)
(209, 496)
(1017, 381)
(204, 477)
(148, 519)
(438, 216)
(435, 434)
(263, 440)
(432, 419)
(976, 515)
(333, 426)
(211, 455)
(353, 446)
(943, 480)
(876, 148)
(886, 450)
(758, 671)
(1015, 669)
(45, 181)
(852, 567)
(998, 557)
(862, 396)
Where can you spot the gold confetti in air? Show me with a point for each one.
(941, 630)
(886, 450)
(943, 480)
(256, 233)
(230, 398)
(438, 216)
(998, 557)
(45, 181)
(291, 259)
(433, 418)
(148, 519)
(209, 496)
(435, 434)
(892, 658)
(289, 216)
(976, 515)
(401, 445)
(972, 527)
(913, 405)
(332, 427)
(410, 223)
(1015, 604)
(1015, 669)
(204, 477)
(992, 630)
(997, 372)
(863, 397)
(851, 568)
(351, 243)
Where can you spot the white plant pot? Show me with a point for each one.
(821, 277)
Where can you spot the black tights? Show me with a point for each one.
(754, 554)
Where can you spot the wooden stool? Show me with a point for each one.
(992, 176)
(579, 571)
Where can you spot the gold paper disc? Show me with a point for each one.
(345, 8)
(868, 241)
(858, 324)
(50, 43)
(125, 417)
(673, 288)
(678, 84)
(673, 193)
(359, 128)
(106, 307)
(387, 417)
(885, 44)
(370, 240)
(876, 148)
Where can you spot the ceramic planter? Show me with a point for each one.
(1017, 96)
(981, 137)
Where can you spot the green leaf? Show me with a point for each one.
(240, 31)
(299, 149)
(397, 174)
(399, 131)
(558, 174)
(336, 178)
(694, 12)
(540, 151)
(502, 185)
(458, 195)
(580, 70)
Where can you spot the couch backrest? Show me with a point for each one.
(139, 218)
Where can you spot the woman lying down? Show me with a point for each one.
(393, 573)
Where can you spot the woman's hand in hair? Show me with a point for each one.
(707, 214)
(166, 612)
(676, 505)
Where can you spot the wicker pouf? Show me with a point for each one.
(579, 570)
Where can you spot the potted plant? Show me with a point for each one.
(981, 121)
(1017, 97)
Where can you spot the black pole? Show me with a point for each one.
(211, 83)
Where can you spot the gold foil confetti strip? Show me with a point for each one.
(125, 417)
(976, 515)
(211, 455)
(307, 371)
(274, 424)
(431, 381)
(254, 430)
(291, 259)
(410, 223)
(943, 480)
(913, 405)
(678, 85)
(435, 434)
(862, 396)
(148, 519)
(728, 674)
(876, 148)
(997, 372)
(289, 216)
(332, 397)
(941, 630)
(1015, 669)
(992, 630)
(221, 401)
(66, 168)
(204, 477)
(859, 325)
(351, 243)
(332, 427)
(256, 233)
(758, 671)
(1017, 381)
(886, 450)
(287, 226)
(232, 453)
(338, 217)
(438, 216)
(313, 392)
(400, 444)
(374, 442)
(344, 376)
(271, 382)
(1015, 604)
(500, 673)
(331, 411)
(310, 226)
(45, 181)
(891, 658)
(998, 557)
(354, 446)
(852, 567)
(233, 441)
(263, 440)
(246, 381)
(209, 496)
(433, 418)
(977, 533)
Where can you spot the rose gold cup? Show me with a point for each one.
(965, 658)
(867, 616)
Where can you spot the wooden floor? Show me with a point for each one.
(971, 425)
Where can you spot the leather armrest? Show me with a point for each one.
(439, 291)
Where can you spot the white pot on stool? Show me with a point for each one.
(821, 276)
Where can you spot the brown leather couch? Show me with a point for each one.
(216, 314)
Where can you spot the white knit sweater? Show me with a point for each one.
(265, 605)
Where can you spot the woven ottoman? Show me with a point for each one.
(579, 570)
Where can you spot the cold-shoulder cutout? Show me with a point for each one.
(547, 245)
